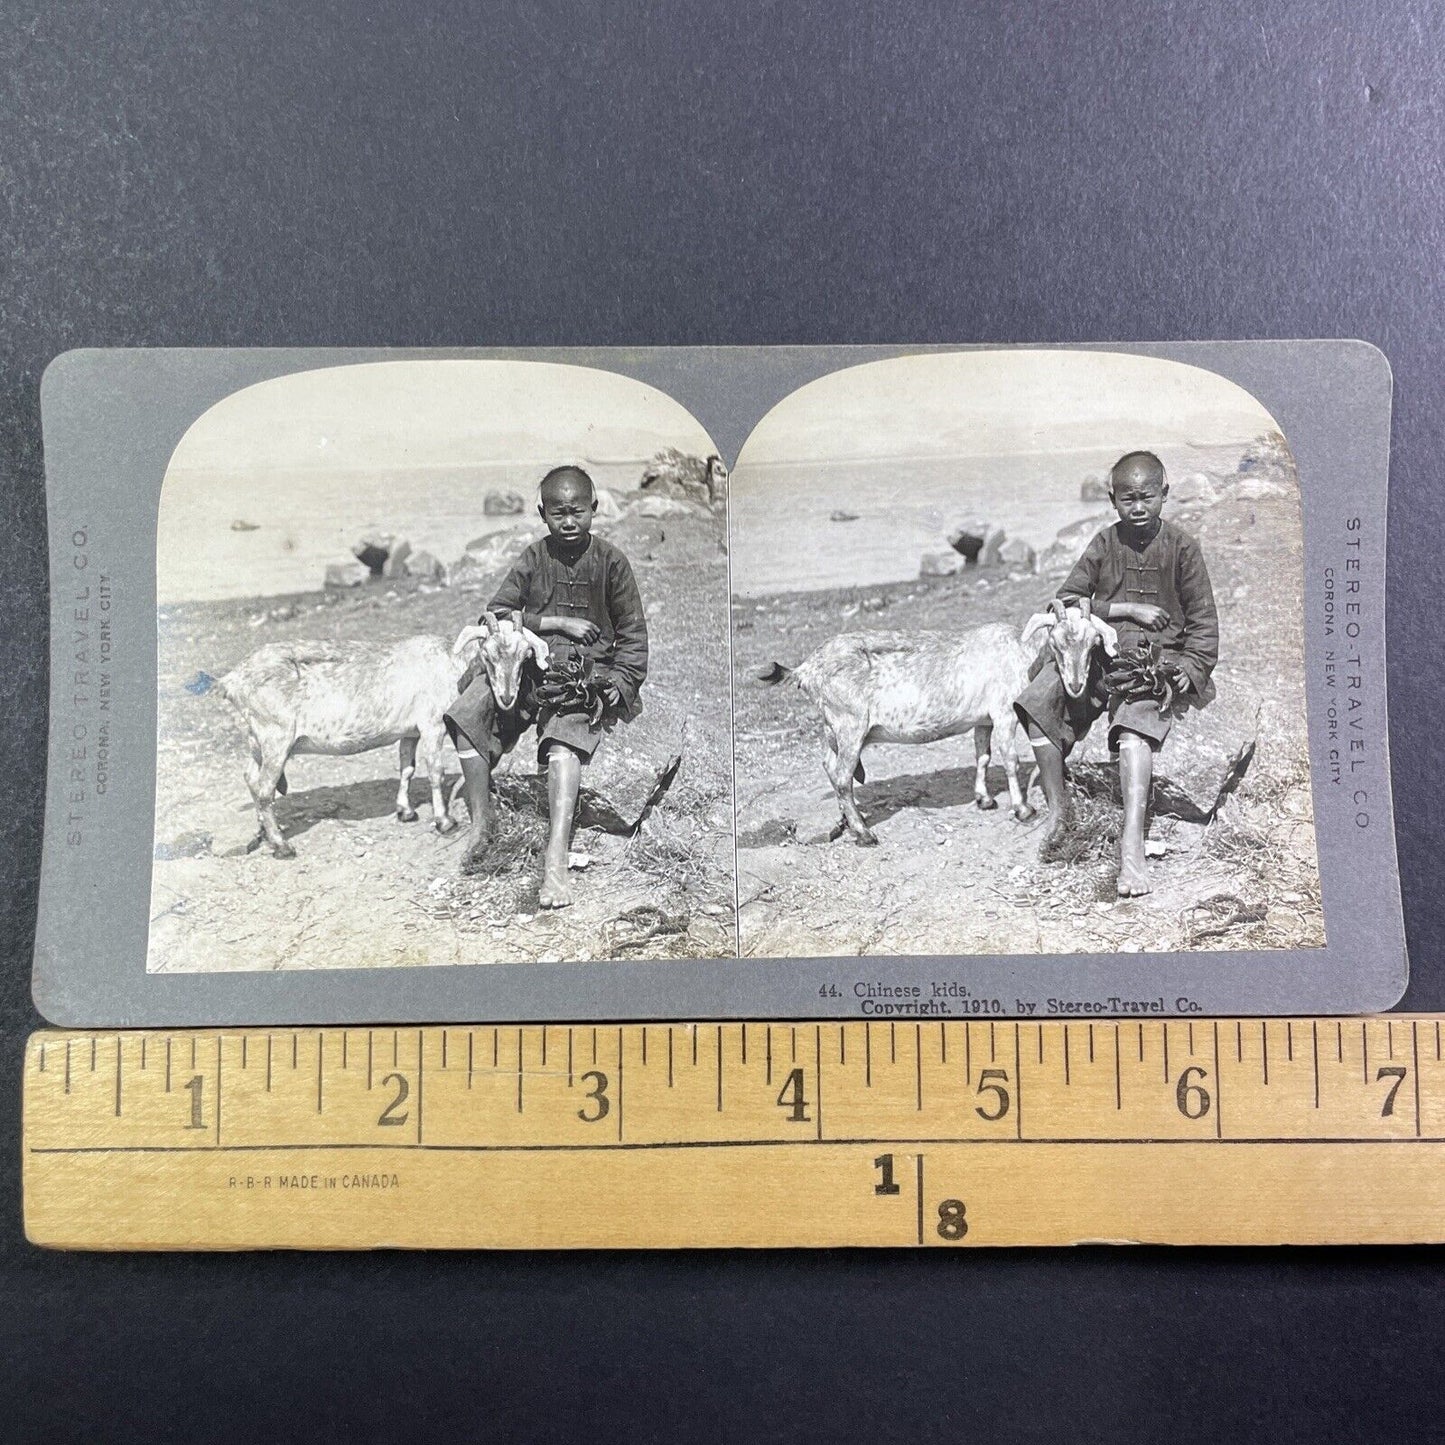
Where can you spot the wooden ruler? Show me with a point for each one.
(1237, 1131)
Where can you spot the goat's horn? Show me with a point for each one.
(1085, 607)
(489, 621)
(466, 635)
(1057, 608)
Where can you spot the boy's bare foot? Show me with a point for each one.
(556, 890)
(478, 844)
(1133, 874)
(1055, 825)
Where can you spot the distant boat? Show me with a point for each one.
(843, 517)
(240, 526)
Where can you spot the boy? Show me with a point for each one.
(1147, 579)
(578, 593)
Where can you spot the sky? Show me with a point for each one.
(309, 463)
(434, 413)
(994, 403)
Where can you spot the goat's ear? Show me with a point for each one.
(1107, 635)
(540, 650)
(1036, 624)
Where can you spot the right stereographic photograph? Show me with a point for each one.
(1018, 664)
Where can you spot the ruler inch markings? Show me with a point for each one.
(919, 1173)
(1279, 1115)
(1415, 1071)
(1218, 1089)
(818, 1064)
(1019, 1088)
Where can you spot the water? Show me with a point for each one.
(784, 540)
(302, 526)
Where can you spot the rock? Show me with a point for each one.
(940, 564)
(1079, 534)
(1018, 554)
(672, 473)
(1093, 490)
(191, 844)
(1194, 488)
(426, 566)
(655, 505)
(1302, 844)
(610, 507)
(395, 564)
(1057, 560)
(239, 526)
(495, 551)
(842, 516)
(471, 571)
(1254, 489)
(373, 550)
(503, 504)
(993, 548)
(1282, 920)
(968, 538)
(347, 574)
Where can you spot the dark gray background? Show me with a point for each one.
(588, 173)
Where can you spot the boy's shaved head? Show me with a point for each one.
(1143, 468)
(553, 483)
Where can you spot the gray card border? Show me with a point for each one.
(112, 419)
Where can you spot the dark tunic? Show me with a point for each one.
(1168, 571)
(599, 586)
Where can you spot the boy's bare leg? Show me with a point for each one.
(477, 790)
(564, 782)
(1136, 772)
(1050, 763)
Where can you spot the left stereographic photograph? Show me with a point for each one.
(443, 674)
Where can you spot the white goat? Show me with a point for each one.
(905, 687)
(1073, 633)
(339, 698)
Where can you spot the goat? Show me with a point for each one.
(1073, 633)
(919, 687)
(340, 698)
(907, 687)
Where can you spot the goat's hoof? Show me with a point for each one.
(985, 804)
(866, 839)
(444, 825)
(1023, 813)
(284, 851)
(407, 815)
